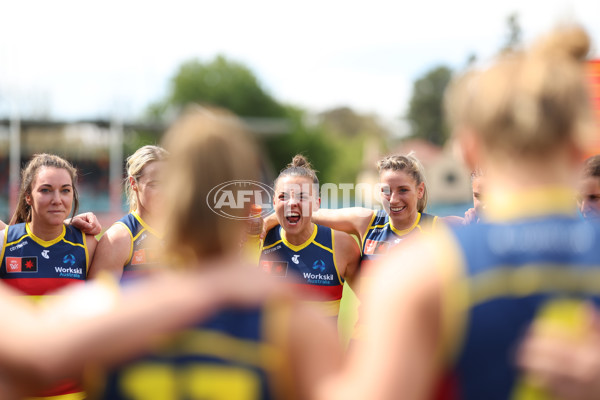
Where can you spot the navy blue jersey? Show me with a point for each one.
(381, 235)
(232, 356)
(311, 266)
(35, 266)
(513, 268)
(146, 246)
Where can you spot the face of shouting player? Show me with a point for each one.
(294, 204)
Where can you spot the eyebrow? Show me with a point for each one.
(49, 185)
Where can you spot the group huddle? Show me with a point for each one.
(168, 305)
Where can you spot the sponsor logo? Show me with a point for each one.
(295, 258)
(139, 257)
(21, 264)
(318, 279)
(320, 265)
(69, 259)
(18, 246)
(145, 256)
(69, 272)
(45, 254)
(272, 249)
(275, 268)
(229, 198)
(374, 247)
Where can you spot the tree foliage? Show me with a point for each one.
(220, 82)
(425, 110)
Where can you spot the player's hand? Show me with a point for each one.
(471, 217)
(569, 369)
(269, 222)
(87, 223)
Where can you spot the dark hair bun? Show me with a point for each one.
(299, 161)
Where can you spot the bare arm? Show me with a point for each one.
(112, 253)
(347, 257)
(354, 220)
(400, 351)
(79, 327)
(315, 351)
(2, 225)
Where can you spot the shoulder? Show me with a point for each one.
(117, 232)
(273, 235)
(345, 243)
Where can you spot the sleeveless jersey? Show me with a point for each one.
(36, 267)
(311, 265)
(512, 270)
(381, 235)
(146, 246)
(231, 356)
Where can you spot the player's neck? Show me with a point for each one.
(301, 237)
(44, 231)
(150, 219)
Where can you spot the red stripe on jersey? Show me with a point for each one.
(316, 292)
(39, 286)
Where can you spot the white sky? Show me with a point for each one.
(81, 59)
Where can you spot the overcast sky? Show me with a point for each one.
(85, 59)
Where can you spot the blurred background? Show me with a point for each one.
(342, 82)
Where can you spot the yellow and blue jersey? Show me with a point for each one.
(36, 267)
(381, 235)
(235, 355)
(532, 251)
(310, 266)
(146, 246)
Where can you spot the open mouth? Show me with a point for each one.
(397, 209)
(293, 217)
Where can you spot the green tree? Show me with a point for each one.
(220, 82)
(425, 110)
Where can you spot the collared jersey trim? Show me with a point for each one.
(269, 246)
(407, 230)
(145, 225)
(503, 206)
(45, 243)
(301, 246)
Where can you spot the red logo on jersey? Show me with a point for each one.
(373, 247)
(275, 268)
(21, 264)
(139, 257)
(13, 264)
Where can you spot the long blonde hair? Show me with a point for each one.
(135, 169)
